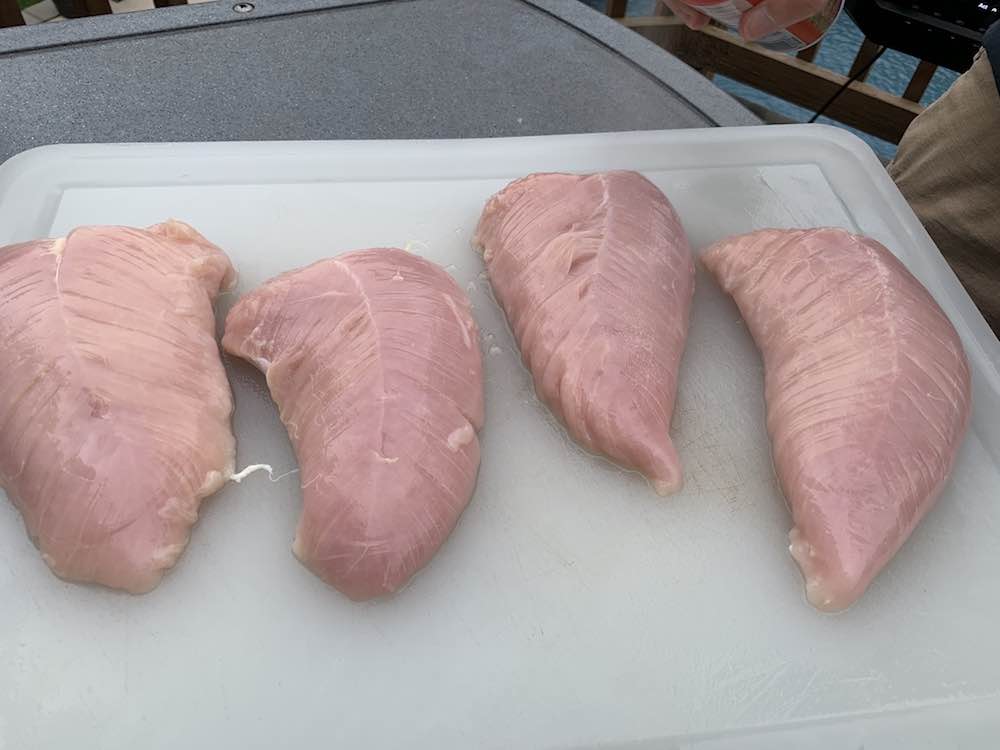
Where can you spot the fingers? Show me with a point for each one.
(687, 14)
(699, 21)
(774, 15)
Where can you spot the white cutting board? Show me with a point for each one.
(572, 607)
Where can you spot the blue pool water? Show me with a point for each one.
(891, 73)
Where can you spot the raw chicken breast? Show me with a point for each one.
(373, 360)
(595, 275)
(867, 390)
(114, 407)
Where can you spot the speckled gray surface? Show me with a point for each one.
(335, 69)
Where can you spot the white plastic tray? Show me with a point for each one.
(571, 607)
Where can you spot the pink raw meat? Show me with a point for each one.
(114, 407)
(595, 275)
(373, 360)
(867, 389)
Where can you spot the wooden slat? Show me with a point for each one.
(806, 84)
(10, 14)
(652, 22)
(920, 81)
(865, 54)
(616, 8)
(666, 31)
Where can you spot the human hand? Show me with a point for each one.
(687, 14)
(770, 16)
(767, 17)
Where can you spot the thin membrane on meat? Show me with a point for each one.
(595, 275)
(867, 389)
(373, 360)
(114, 406)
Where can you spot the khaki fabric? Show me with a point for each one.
(948, 167)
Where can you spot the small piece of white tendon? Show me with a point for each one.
(253, 468)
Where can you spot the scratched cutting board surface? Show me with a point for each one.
(572, 607)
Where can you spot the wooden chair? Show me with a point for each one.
(10, 11)
(795, 79)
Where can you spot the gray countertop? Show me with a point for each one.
(336, 69)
